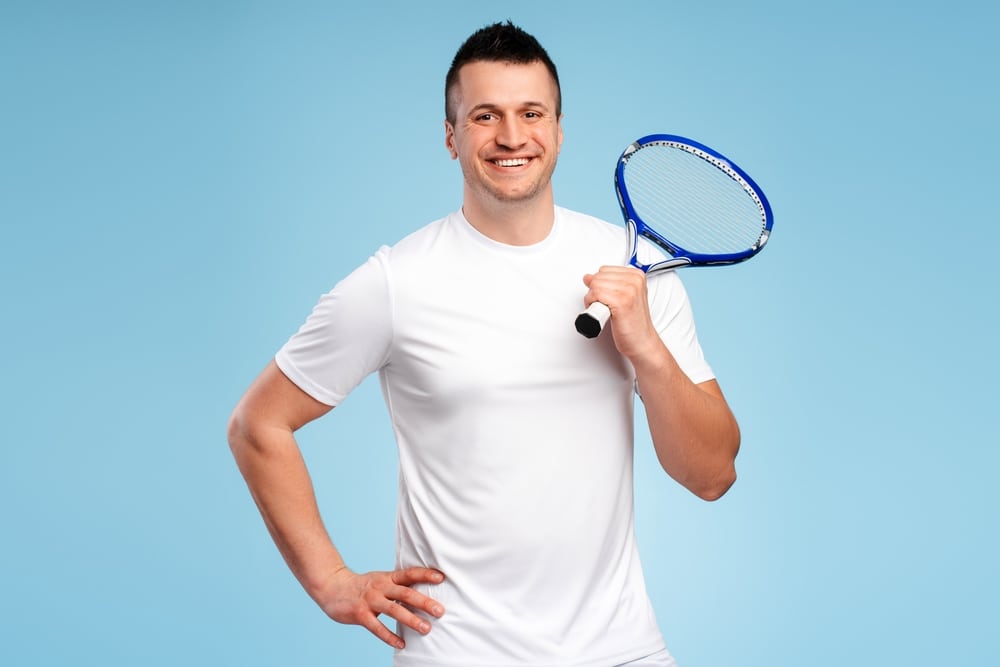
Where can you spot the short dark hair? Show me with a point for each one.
(500, 42)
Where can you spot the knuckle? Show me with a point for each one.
(363, 611)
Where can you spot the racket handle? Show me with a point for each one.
(591, 322)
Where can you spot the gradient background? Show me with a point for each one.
(182, 180)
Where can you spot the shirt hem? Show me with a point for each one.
(623, 657)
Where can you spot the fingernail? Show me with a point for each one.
(425, 627)
(437, 610)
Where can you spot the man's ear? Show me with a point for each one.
(449, 140)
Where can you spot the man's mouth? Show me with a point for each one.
(512, 162)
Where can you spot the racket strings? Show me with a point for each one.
(693, 199)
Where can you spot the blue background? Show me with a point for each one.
(181, 181)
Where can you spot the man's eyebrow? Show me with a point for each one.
(490, 106)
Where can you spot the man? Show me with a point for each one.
(515, 542)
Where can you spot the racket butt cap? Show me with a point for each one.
(588, 325)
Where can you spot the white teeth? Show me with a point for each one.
(512, 163)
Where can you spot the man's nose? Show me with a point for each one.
(511, 133)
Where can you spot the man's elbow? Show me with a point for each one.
(237, 433)
(714, 486)
(713, 489)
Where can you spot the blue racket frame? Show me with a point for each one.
(681, 256)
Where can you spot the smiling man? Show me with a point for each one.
(504, 127)
(515, 541)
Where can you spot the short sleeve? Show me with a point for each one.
(345, 338)
(674, 320)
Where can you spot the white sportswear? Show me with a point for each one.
(514, 435)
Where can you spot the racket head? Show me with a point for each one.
(691, 201)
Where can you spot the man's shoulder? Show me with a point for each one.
(582, 230)
(421, 240)
(579, 218)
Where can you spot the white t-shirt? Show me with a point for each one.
(514, 434)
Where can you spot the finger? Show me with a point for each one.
(405, 578)
(417, 600)
(622, 270)
(629, 278)
(406, 617)
(612, 294)
(417, 575)
(377, 628)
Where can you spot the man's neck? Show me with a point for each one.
(519, 223)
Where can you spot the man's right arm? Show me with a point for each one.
(261, 436)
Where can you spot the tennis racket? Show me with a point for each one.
(689, 200)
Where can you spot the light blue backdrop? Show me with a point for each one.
(180, 182)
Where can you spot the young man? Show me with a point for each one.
(515, 541)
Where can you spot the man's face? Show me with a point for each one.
(506, 133)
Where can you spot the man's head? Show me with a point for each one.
(505, 129)
(500, 42)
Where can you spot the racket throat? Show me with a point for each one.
(632, 253)
(666, 265)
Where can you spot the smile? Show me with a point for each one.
(518, 162)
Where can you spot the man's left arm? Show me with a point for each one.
(694, 433)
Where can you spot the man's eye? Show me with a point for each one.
(486, 117)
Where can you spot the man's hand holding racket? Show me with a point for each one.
(623, 290)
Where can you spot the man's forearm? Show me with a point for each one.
(279, 482)
(694, 432)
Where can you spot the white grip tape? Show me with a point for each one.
(599, 312)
